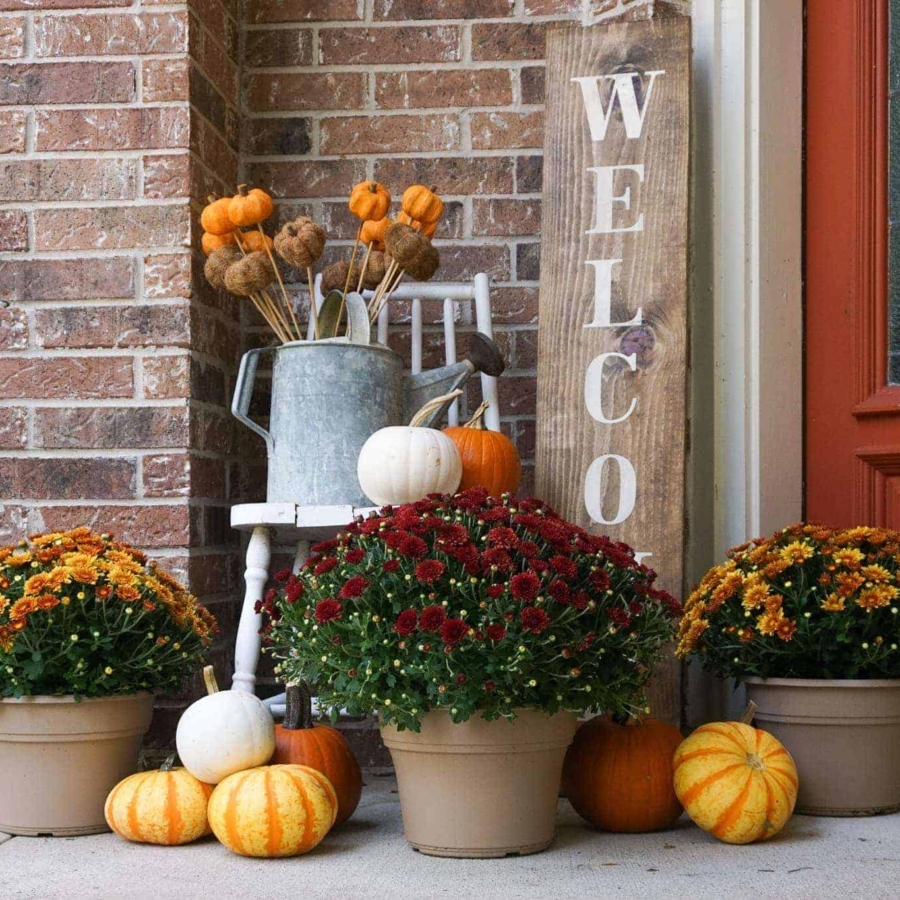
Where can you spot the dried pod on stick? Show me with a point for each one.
(375, 270)
(249, 275)
(425, 263)
(335, 276)
(300, 243)
(413, 252)
(218, 263)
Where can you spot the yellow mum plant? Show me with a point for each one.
(809, 602)
(86, 615)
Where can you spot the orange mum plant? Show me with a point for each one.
(86, 615)
(809, 602)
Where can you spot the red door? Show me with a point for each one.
(852, 409)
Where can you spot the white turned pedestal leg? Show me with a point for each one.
(301, 555)
(249, 642)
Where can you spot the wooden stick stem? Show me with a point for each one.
(365, 265)
(284, 293)
(312, 300)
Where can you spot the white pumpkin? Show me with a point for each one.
(223, 733)
(402, 463)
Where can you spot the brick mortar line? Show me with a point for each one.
(403, 68)
(378, 24)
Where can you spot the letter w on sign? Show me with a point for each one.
(612, 364)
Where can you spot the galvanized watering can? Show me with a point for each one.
(328, 397)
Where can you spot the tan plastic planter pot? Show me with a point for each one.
(480, 789)
(60, 759)
(844, 737)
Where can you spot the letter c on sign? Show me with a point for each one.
(627, 489)
(593, 396)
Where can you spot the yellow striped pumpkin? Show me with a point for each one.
(273, 810)
(736, 782)
(161, 807)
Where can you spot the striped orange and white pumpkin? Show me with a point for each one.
(273, 811)
(167, 806)
(736, 782)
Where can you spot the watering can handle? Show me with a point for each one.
(243, 392)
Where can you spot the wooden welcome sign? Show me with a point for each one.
(612, 365)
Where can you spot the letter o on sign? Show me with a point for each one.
(627, 489)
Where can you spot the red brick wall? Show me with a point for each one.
(115, 368)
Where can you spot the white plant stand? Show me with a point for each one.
(294, 525)
(287, 524)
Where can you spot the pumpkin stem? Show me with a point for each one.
(209, 679)
(168, 764)
(749, 713)
(373, 187)
(621, 718)
(298, 707)
(430, 407)
(242, 190)
(211, 198)
(477, 421)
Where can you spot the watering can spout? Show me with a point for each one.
(482, 355)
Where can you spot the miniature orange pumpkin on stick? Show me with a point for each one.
(372, 237)
(215, 219)
(369, 201)
(422, 204)
(249, 207)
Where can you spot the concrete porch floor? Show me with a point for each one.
(368, 858)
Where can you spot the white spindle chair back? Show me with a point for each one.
(452, 296)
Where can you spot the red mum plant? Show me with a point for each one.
(475, 605)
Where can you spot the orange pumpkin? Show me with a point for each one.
(253, 240)
(320, 747)
(489, 458)
(422, 204)
(736, 782)
(273, 811)
(374, 230)
(369, 201)
(215, 218)
(212, 242)
(167, 806)
(421, 227)
(248, 207)
(619, 776)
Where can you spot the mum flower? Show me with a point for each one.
(432, 618)
(328, 610)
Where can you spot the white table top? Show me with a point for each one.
(293, 522)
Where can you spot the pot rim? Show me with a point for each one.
(861, 683)
(70, 698)
(330, 343)
(477, 715)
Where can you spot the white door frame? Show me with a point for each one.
(747, 316)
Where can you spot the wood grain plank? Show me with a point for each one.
(652, 276)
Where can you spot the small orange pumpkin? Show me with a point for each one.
(421, 227)
(167, 806)
(618, 776)
(273, 811)
(369, 201)
(422, 204)
(214, 218)
(248, 207)
(374, 230)
(489, 458)
(212, 242)
(253, 240)
(736, 782)
(299, 740)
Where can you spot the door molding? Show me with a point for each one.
(748, 267)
